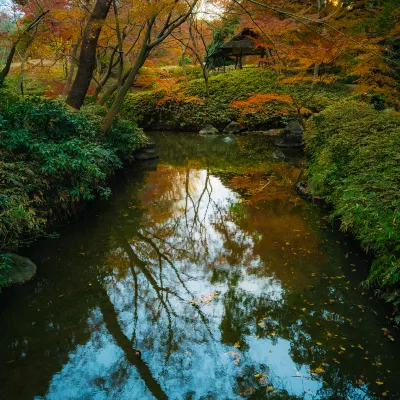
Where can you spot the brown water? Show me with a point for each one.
(204, 277)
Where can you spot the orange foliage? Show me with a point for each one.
(260, 102)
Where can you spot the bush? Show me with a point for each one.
(354, 164)
(188, 108)
(51, 159)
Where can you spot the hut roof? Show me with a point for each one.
(244, 43)
(244, 40)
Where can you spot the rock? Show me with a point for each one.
(148, 152)
(232, 128)
(22, 270)
(145, 156)
(209, 130)
(304, 190)
(278, 155)
(291, 135)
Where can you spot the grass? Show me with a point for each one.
(354, 164)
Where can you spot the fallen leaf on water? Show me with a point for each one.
(237, 345)
(379, 383)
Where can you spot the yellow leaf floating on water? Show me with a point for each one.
(319, 343)
(384, 394)
(257, 375)
(319, 370)
(237, 345)
(342, 348)
(379, 383)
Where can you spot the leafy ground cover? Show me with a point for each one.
(354, 164)
(52, 159)
(251, 96)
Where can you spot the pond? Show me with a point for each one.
(205, 276)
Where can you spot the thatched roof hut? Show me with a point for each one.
(246, 43)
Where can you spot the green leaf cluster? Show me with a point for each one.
(52, 158)
(354, 163)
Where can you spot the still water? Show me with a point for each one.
(204, 277)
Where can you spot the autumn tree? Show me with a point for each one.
(87, 57)
(161, 19)
(25, 29)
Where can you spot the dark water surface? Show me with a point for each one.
(204, 277)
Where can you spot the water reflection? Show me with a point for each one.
(206, 279)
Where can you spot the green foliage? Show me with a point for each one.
(32, 86)
(355, 165)
(220, 35)
(235, 85)
(51, 159)
(192, 71)
(182, 111)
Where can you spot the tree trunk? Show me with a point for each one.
(205, 76)
(315, 77)
(130, 79)
(108, 93)
(73, 63)
(184, 64)
(4, 72)
(87, 58)
(20, 84)
(106, 75)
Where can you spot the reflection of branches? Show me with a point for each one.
(135, 260)
(132, 355)
(161, 257)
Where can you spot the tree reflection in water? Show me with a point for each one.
(205, 293)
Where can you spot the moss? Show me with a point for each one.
(179, 111)
(354, 164)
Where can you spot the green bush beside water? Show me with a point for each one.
(52, 158)
(354, 164)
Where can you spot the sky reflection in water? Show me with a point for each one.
(205, 283)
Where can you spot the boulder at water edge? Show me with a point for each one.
(209, 130)
(148, 152)
(232, 128)
(22, 270)
(291, 135)
(277, 155)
